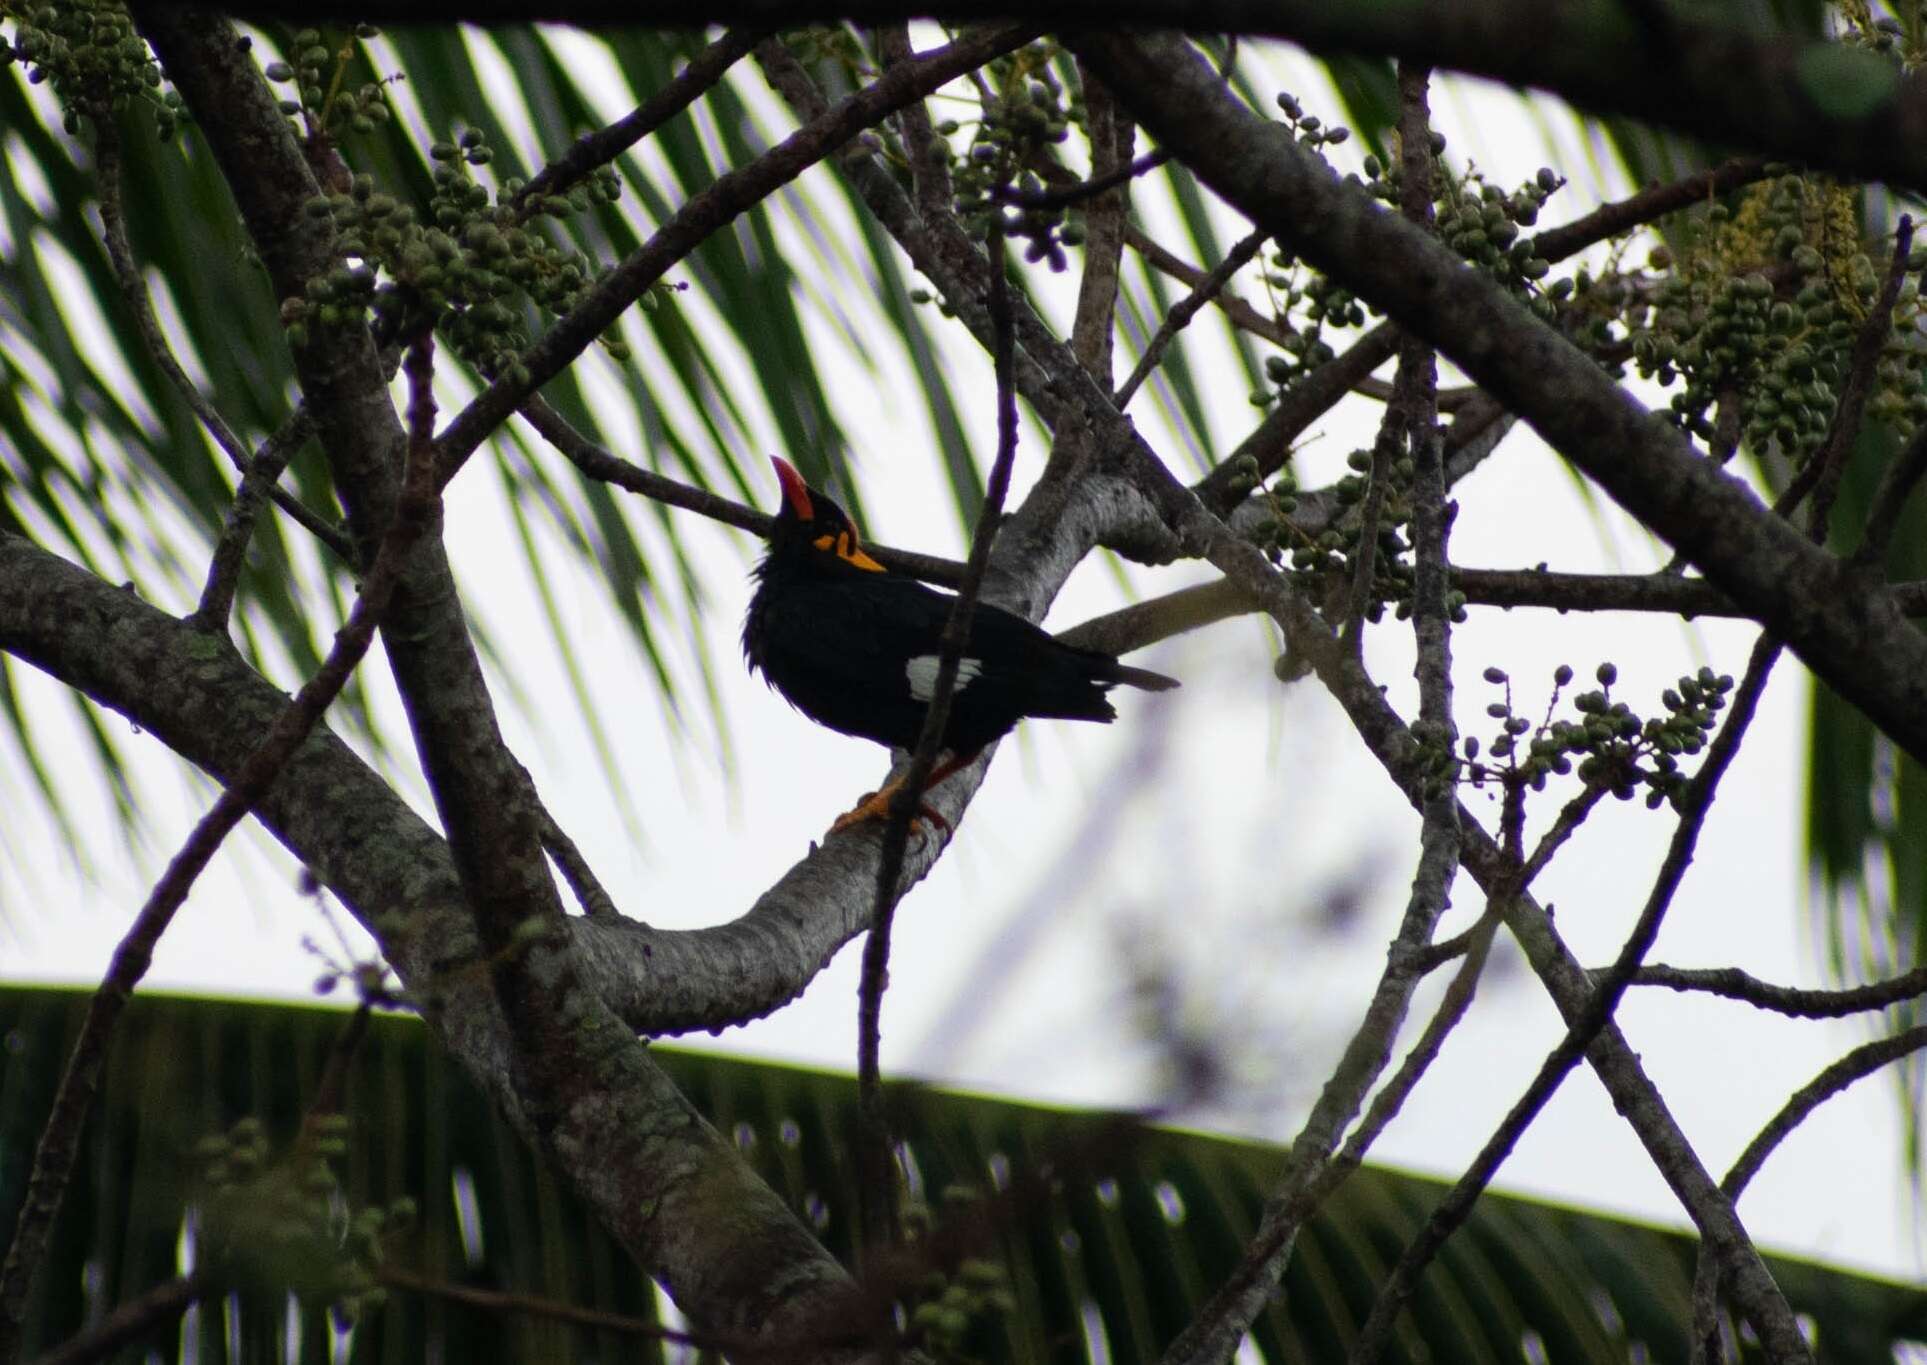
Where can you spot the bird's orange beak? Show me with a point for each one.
(795, 492)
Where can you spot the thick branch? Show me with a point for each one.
(567, 1070)
(1818, 102)
(195, 694)
(338, 817)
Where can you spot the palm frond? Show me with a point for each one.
(1122, 1243)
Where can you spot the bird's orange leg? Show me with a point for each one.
(876, 805)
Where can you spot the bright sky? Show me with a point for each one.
(1232, 835)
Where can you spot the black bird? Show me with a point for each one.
(855, 647)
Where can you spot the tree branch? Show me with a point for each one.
(259, 470)
(133, 1320)
(599, 464)
(1897, 483)
(1694, 806)
(1857, 1065)
(59, 1144)
(1820, 476)
(337, 816)
(1851, 637)
(1078, 191)
(737, 1345)
(555, 1059)
(1392, 743)
(1107, 199)
(604, 145)
(879, 1176)
(1818, 102)
(1208, 288)
(732, 193)
(1794, 1001)
(1653, 202)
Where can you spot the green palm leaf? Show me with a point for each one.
(1134, 1229)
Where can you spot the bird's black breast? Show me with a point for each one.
(856, 652)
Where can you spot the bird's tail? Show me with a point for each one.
(1145, 678)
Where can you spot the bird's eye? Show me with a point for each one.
(824, 542)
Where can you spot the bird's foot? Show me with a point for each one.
(876, 806)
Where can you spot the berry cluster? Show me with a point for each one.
(1026, 107)
(1761, 310)
(469, 265)
(1483, 223)
(1616, 751)
(1324, 561)
(281, 1226)
(1303, 302)
(320, 76)
(93, 57)
(951, 1298)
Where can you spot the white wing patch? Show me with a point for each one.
(922, 673)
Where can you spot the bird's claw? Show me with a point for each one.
(876, 806)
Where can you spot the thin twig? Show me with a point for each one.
(1721, 450)
(1857, 1065)
(1655, 201)
(929, 153)
(1897, 484)
(605, 144)
(1159, 618)
(1793, 1001)
(1066, 195)
(1094, 322)
(1410, 417)
(60, 1138)
(1186, 308)
(1449, 400)
(332, 1087)
(599, 464)
(1389, 445)
(1820, 476)
(1436, 955)
(1240, 313)
(1570, 817)
(595, 901)
(1554, 244)
(1310, 398)
(133, 288)
(1861, 370)
(1314, 1171)
(113, 222)
(730, 194)
(1190, 608)
(879, 1184)
(231, 550)
(1453, 1006)
(1453, 1210)
(530, 1305)
(133, 1320)
(1862, 1062)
